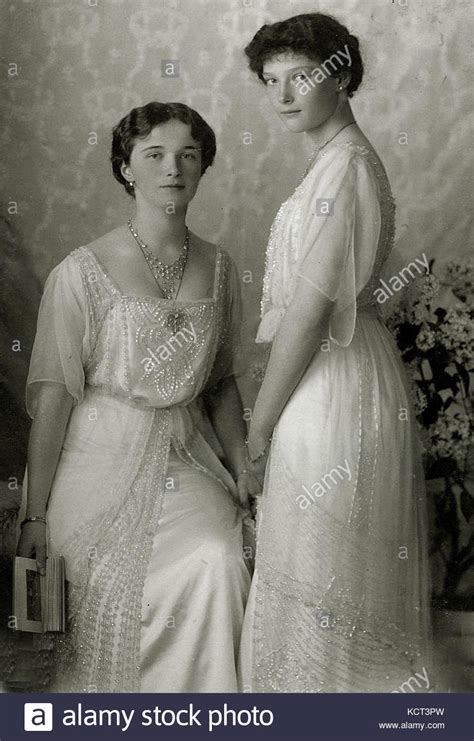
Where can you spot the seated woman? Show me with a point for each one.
(133, 359)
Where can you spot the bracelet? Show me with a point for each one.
(36, 518)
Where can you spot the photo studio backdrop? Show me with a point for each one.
(73, 68)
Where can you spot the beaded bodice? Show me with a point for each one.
(284, 251)
(149, 350)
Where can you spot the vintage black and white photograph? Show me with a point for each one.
(237, 347)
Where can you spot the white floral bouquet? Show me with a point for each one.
(434, 331)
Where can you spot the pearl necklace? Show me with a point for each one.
(313, 156)
(168, 273)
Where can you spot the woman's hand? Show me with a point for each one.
(258, 446)
(32, 544)
(258, 467)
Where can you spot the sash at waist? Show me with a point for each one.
(183, 420)
(271, 320)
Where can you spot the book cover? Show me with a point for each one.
(39, 602)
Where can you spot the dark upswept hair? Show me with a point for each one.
(138, 124)
(313, 35)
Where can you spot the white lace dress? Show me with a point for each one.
(141, 507)
(340, 597)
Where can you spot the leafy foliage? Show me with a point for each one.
(437, 345)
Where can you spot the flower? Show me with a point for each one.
(450, 436)
(421, 294)
(430, 289)
(426, 338)
(436, 339)
(397, 317)
(456, 334)
(437, 344)
(420, 402)
(460, 276)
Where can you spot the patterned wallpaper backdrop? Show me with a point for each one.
(72, 68)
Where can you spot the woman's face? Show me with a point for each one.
(166, 166)
(300, 91)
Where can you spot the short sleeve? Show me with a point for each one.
(61, 342)
(229, 361)
(340, 233)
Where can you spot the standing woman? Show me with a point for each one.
(340, 598)
(133, 359)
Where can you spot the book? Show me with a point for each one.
(39, 602)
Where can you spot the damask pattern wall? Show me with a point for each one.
(72, 68)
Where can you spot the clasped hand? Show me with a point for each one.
(250, 482)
